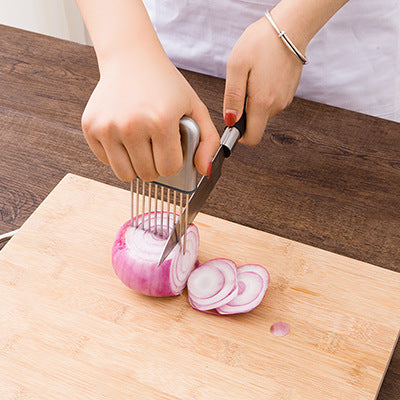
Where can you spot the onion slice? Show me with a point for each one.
(253, 281)
(136, 252)
(212, 284)
(280, 329)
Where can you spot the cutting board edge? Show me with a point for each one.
(387, 365)
(80, 179)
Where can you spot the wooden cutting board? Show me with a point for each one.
(71, 330)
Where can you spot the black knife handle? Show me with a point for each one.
(233, 134)
(241, 124)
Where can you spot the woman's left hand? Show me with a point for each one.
(263, 67)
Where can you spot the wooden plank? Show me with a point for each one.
(321, 175)
(75, 331)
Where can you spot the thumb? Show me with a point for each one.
(235, 92)
(209, 138)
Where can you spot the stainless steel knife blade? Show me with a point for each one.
(196, 201)
(206, 184)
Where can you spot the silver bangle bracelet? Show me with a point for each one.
(286, 40)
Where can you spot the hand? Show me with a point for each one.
(261, 65)
(131, 121)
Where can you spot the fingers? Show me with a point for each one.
(209, 138)
(97, 148)
(105, 141)
(151, 152)
(237, 78)
(167, 149)
(120, 162)
(129, 155)
(140, 157)
(147, 142)
(261, 67)
(235, 90)
(257, 118)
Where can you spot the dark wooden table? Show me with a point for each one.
(321, 175)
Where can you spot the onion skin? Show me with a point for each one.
(139, 271)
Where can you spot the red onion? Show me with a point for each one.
(136, 252)
(218, 284)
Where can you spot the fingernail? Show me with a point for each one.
(209, 169)
(230, 117)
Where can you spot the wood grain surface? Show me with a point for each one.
(322, 176)
(74, 331)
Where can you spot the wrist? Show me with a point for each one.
(286, 40)
(302, 19)
(126, 59)
(288, 22)
(120, 31)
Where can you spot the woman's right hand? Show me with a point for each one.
(131, 121)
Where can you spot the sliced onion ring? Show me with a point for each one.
(212, 284)
(253, 283)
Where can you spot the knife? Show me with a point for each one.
(228, 141)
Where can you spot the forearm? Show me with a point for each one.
(302, 19)
(119, 29)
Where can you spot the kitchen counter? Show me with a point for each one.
(322, 176)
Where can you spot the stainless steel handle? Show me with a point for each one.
(186, 179)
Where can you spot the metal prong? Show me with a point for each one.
(143, 202)
(168, 208)
(137, 203)
(174, 208)
(162, 211)
(186, 222)
(155, 207)
(132, 202)
(180, 214)
(149, 208)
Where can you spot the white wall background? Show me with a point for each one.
(59, 18)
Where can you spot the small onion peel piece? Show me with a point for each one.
(280, 328)
(136, 252)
